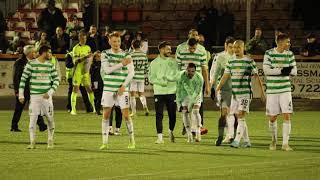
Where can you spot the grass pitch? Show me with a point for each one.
(77, 156)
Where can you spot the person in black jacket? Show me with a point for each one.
(60, 42)
(95, 40)
(312, 47)
(28, 54)
(51, 18)
(96, 80)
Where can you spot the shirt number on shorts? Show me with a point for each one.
(244, 102)
(126, 98)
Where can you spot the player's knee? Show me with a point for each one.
(273, 118)
(106, 113)
(75, 89)
(241, 114)
(286, 116)
(224, 111)
(195, 111)
(125, 113)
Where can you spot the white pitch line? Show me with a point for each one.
(207, 168)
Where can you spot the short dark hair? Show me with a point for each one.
(279, 29)
(192, 65)
(82, 32)
(229, 40)
(136, 44)
(192, 30)
(163, 44)
(192, 42)
(311, 35)
(282, 37)
(44, 49)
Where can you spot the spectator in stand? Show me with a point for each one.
(51, 18)
(3, 25)
(126, 42)
(42, 41)
(257, 45)
(17, 44)
(277, 31)
(144, 42)
(3, 44)
(311, 48)
(88, 14)
(75, 24)
(95, 40)
(201, 41)
(73, 40)
(60, 42)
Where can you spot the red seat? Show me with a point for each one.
(10, 34)
(169, 37)
(20, 26)
(134, 15)
(16, 16)
(147, 28)
(104, 15)
(29, 17)
(118, 15)
(33, 27)
(26, 35)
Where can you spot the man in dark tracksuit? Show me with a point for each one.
(96, 81)
(28, 54)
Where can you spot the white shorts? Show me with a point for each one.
(136, 86)
(40, 106)
(109, 99)
(239, 104)
(186, 102)
(279, 103)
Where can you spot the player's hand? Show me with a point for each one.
(286, 71)
(121, 90)
(126, 61)
(46, 96)
(21, 100)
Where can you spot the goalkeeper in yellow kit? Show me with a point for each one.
(81, 58)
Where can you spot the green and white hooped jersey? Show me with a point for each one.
(278, 84)
(43, 77)
(184, 57)
(140, 62)
(241, 71)
(113, 81)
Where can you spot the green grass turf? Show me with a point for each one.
(77, 139)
